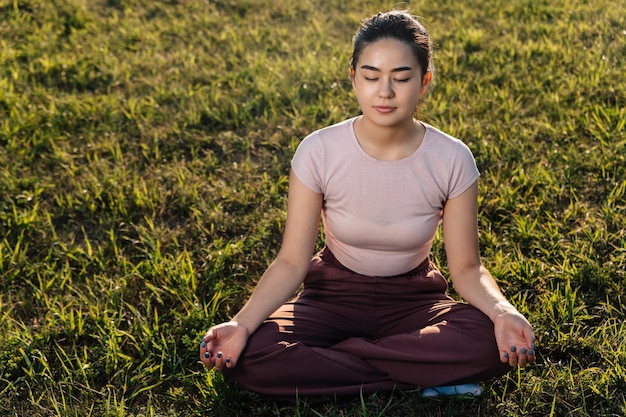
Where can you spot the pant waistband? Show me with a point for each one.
(423, 268)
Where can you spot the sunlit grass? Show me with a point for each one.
(146, 149)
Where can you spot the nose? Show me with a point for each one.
(386, 89)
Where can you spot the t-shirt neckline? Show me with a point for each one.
(408, 158)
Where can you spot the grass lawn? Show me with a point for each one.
(146, 148)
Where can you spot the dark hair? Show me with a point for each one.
(399, 25)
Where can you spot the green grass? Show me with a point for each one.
(145, 149)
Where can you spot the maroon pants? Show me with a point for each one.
(347, 333)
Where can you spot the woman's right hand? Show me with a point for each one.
(222, 345)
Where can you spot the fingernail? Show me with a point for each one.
(219, 355)
(207, 355)
(506, 355)
(203, 344)
(513, 348)
(227, 360)
(523, 351)
(531, 352)
(532, 346)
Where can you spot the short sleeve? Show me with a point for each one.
(463, 171)
(307, 163)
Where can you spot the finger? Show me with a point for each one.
(222, 361)
(513, 356)
(206, 360)
(219, 361)
(203, 349)
(208, 363)
(504, 353)
(528, 360)
(522, 359)
(531, 354)
(510, 358)
(208, 336)
(205, 356)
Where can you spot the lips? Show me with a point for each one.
(384, 109)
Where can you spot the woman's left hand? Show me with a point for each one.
(515, 339)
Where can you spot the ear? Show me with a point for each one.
(426, 82)
(352, 74)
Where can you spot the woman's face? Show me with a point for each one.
(388, 82)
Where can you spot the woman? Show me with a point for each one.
(373, 314)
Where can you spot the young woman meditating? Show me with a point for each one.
(373, 314)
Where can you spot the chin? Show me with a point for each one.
(387, 121)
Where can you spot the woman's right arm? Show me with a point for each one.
(222, 344)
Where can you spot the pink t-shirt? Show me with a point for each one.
(380, 217)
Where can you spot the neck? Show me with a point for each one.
(389, 142)
(395, 134)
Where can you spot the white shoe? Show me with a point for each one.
(472, 390)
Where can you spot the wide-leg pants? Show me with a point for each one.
(347, 334)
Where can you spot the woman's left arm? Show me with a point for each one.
(474, 283)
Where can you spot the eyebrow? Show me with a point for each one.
(399, 69)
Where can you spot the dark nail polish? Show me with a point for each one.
(227, 360)
(531, 352)
(513, 348)
(506, 355)
(523, 351)
(203, 344)
(219, 355)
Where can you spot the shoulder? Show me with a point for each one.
(444, 141)
(320, 153)
(328, 141)
(330, 133)
(446, 149)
